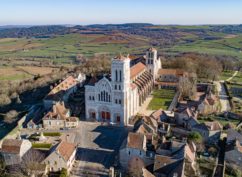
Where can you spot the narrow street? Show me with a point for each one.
(225, 106)
(220, 168)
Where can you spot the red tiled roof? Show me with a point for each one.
(177, 72)
(11, 146)
(66, 149)
(59, 109)
(64, 85)
(135, 140)
(136, 69)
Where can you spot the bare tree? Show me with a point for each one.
(135, 166)
(30, 165)
(188, 86)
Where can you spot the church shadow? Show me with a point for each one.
(106, 158)
(110, 137)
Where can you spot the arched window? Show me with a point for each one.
(116, 75)
(107, 96)
(120, 75)
(99, 97)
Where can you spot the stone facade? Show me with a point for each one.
(63, 156)
(13, 150)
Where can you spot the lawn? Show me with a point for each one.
(162, 98)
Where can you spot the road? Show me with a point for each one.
(235, 73)
(225, 106)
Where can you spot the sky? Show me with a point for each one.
(83, 12)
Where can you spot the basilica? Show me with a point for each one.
(117, 97)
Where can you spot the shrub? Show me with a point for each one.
(41, 145)
(63, 172)
(195, 136)
(52, 134)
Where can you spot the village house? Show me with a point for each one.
(175, 158)
(233, 155)
(208, 105)
(62, 91)
(210, 131)
(161, 115)
(61, 156)
(13, 150)
(146, 125)
(186, 117)
(134, 147)
(59, 117)
(233, 135)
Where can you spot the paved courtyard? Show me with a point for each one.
(98, 148)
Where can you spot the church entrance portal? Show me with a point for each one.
(105, 115)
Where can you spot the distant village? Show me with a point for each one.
(140, 120)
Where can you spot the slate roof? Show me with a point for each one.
(168, 165)
(209, 126)
(234, 135)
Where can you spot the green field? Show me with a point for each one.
(224, 46)
(62, 49)
(162, 98)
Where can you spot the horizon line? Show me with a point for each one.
(88, 24)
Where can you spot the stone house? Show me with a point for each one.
(59, 117)
(186, 117)
(233, 155)
(233, 135)
(13, 150)
(61, 156)
(208, 105)
(175, 159)
(61, 92)
(210, 131)
(169, 78)
(135, 147)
